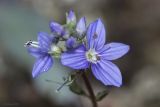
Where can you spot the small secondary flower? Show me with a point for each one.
(42, 51)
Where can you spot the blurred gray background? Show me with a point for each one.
(133, 22)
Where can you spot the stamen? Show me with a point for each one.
(98, 57)
(92, 56)
(31, 43)
(34, 42)
(55, 51)
(27, 43)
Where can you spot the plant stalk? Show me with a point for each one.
(89, 88)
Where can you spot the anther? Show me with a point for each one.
(28, 43)
(98, 57)
(31, 44)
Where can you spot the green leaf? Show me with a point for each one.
(67, 81)
(75, 88)
(101, 95)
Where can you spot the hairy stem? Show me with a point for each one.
(89, 88)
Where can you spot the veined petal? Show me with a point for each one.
(81, 26)
(44, 40)
(75, 59)
(96, 35)
(71, 17)
(42, 64)
(107, 72)
(113, 51)
(56, 28)
(36, 52)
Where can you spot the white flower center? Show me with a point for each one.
(92, 56)
(55, 48)
(55, 51)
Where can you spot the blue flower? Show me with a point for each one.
(98, 55)
(42, 51)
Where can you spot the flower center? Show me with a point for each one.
(55, 51)
(92, 56)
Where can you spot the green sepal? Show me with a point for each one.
(70, 27)
(75, 88)
(101, 95)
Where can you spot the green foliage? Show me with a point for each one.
(101, 95)
(75, 88)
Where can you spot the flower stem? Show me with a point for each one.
(89, 88)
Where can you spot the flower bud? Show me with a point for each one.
(56, 28)
(81, 26)
(71, 18)
(71, 43)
